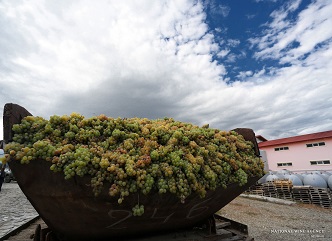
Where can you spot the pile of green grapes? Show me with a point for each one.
(136, 155)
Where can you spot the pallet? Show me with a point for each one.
(286, 196)
(283, 186)
(269, 187)
(302, 194)
(321, 197)
(323, 204)
(284, 189)
(283, 183)
(271, 194)
(257, 192)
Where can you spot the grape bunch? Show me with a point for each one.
(136, 155)
(138, 210)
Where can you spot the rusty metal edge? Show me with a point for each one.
(12, 114)
(249, 135)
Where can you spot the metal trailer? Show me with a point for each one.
(216, 228)
(72, 212)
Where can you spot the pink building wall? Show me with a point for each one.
(300, 155)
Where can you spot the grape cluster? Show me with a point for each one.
(138, 210)
(136, 155)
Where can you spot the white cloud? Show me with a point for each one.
(106, 52)
(217, 9)
(250, 16)
(298, 97)
(155, 58)
(233, 42)
(311, 28)
(224, 10)
(244, 74)
(223, 53)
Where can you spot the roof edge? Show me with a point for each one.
(300, 138)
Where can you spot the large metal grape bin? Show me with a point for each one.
(71, 210)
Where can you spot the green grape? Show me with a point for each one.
(136, 155)
(138, 210)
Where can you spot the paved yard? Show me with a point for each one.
(16, 209)
(270, 221)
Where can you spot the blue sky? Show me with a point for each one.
(235, 22)
(238, 23)
(260, 64)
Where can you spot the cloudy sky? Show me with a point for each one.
(260, 64)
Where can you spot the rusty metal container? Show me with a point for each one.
(71, 210)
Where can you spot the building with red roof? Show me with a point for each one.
(299, 153)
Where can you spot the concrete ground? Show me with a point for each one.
(15, 208)
(282, 221)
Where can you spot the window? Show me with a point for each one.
(316, 144)
(283, 164)
(281, 148)
(323, 162)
